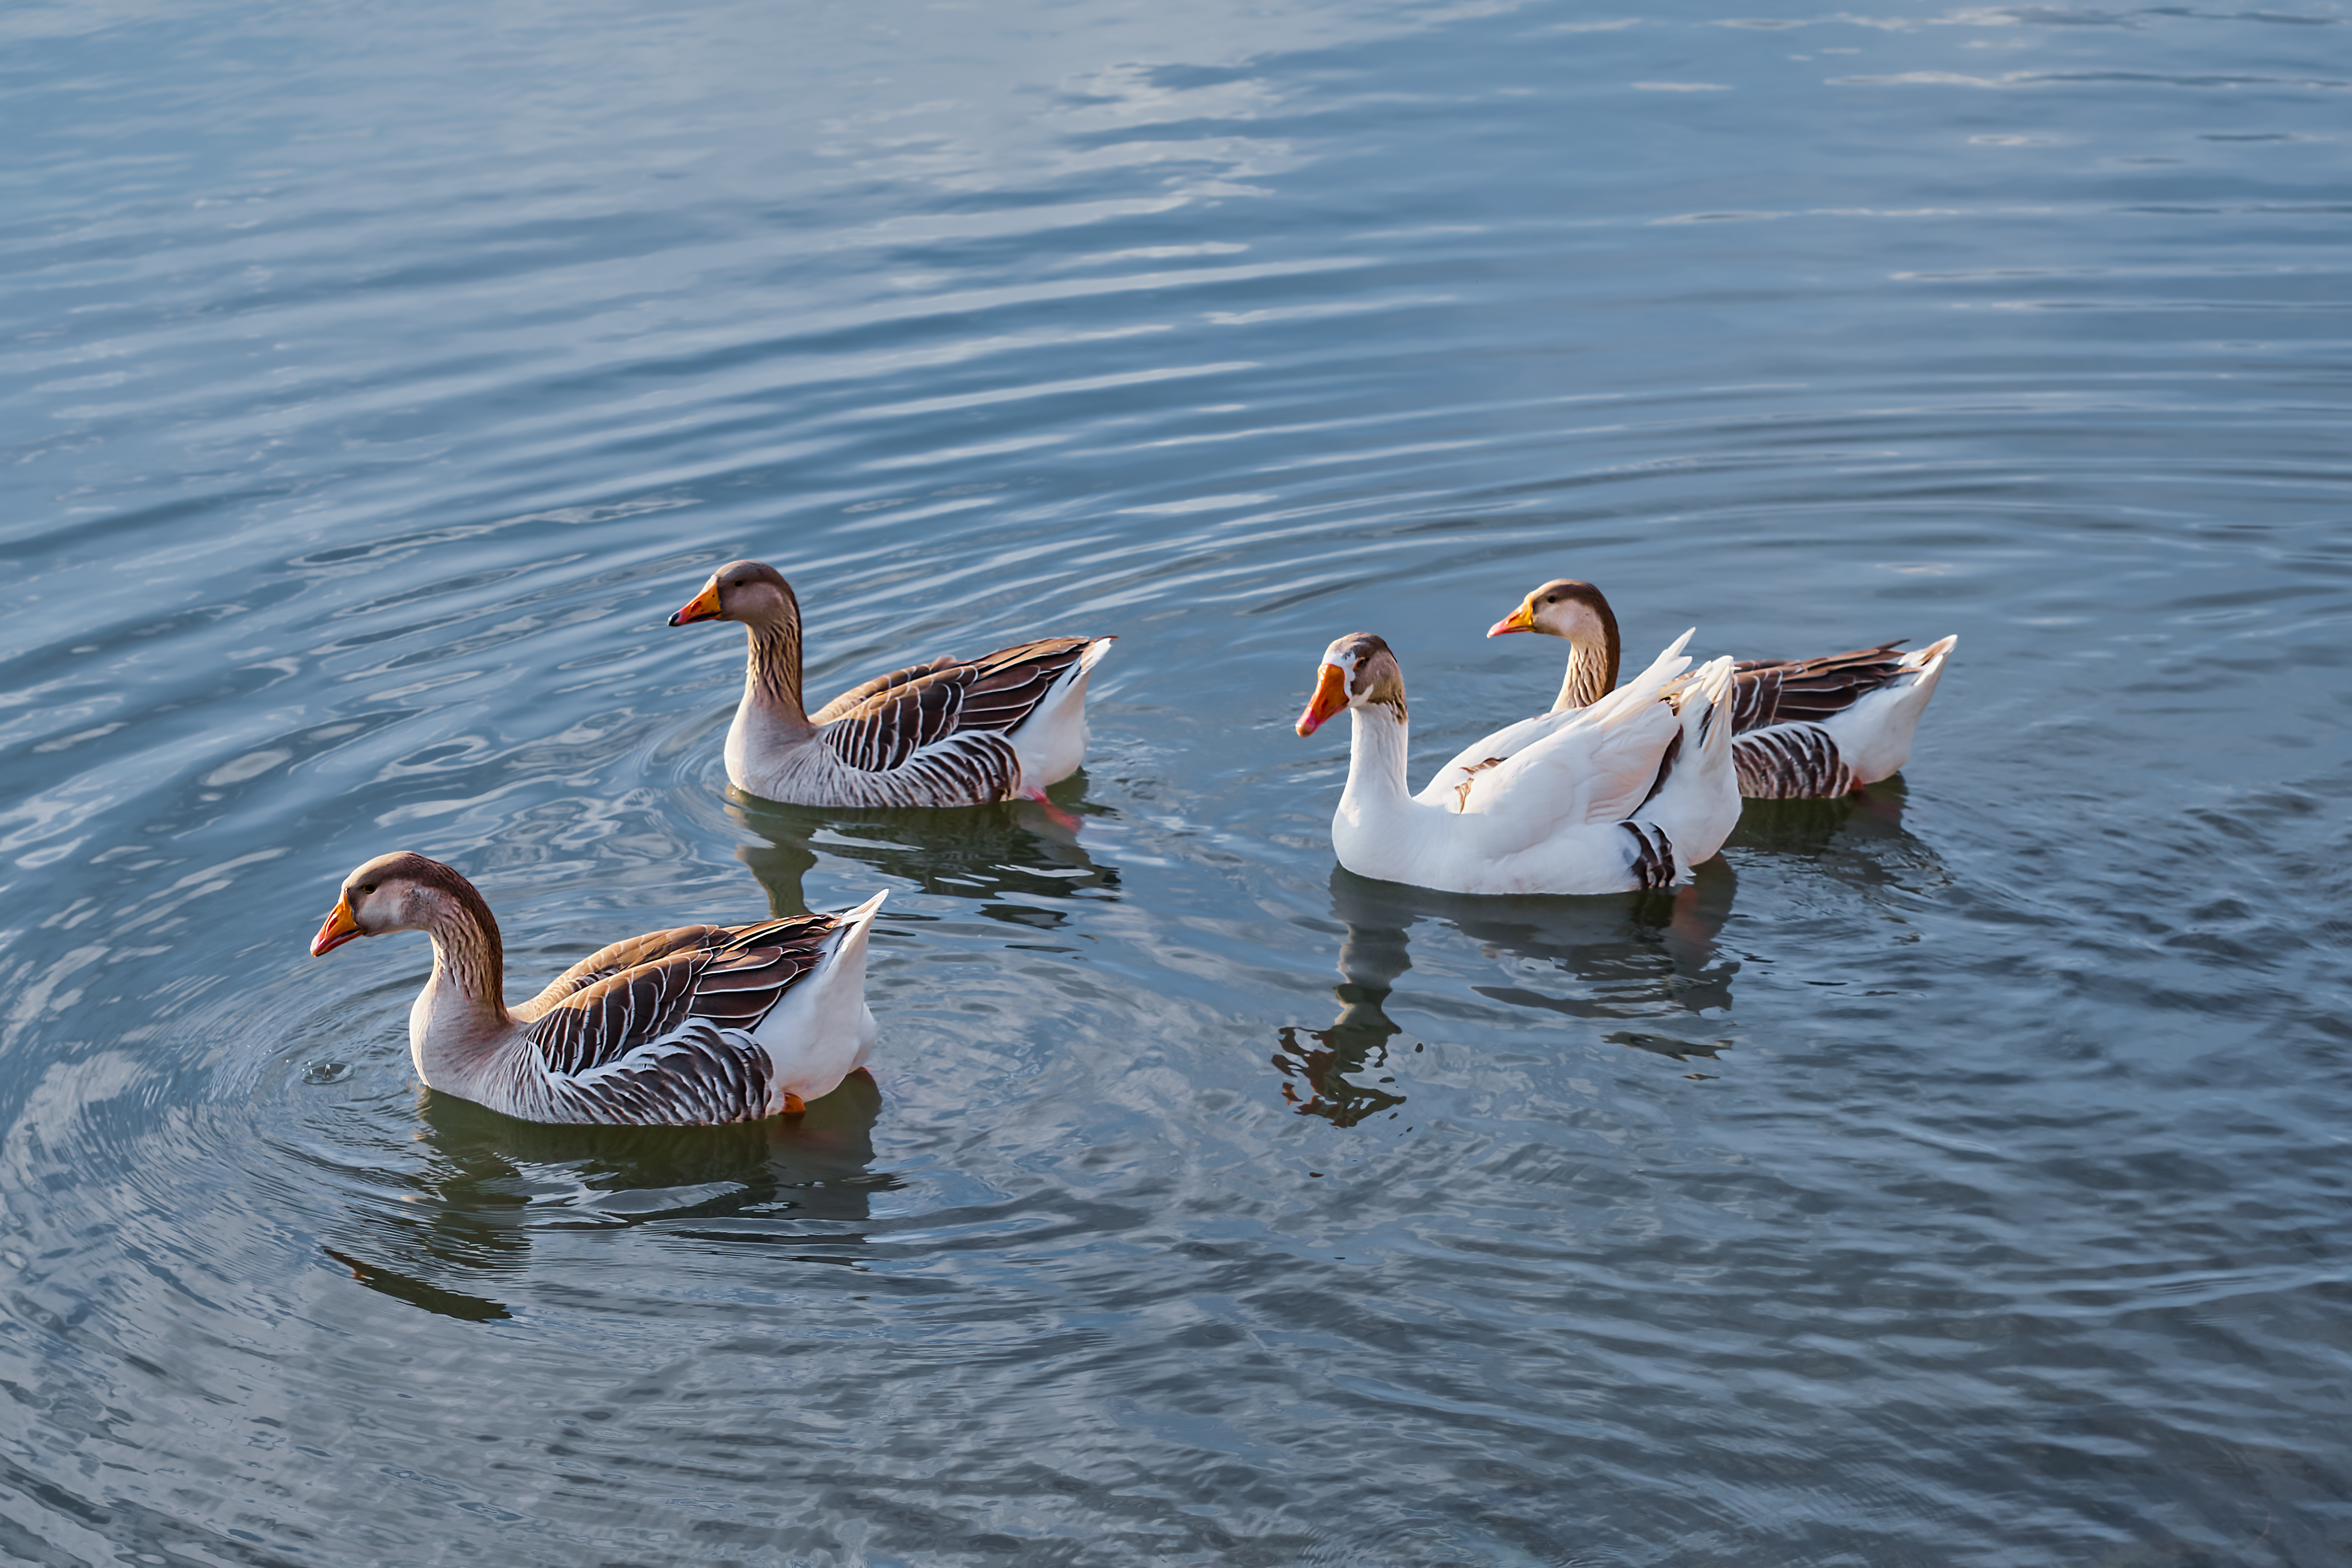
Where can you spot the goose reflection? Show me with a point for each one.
(1858, 839)
(1636, 956)
(991, 853)
(493, 1181)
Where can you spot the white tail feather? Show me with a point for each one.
(1698, 804)
(1644, 689)
(823, 1029)
(1874, 736)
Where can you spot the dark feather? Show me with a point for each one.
(1767, 691)
(864, 689)
(881, 725)
(702, 1076)
(636, 992)
(1652, 862)
(1789, 762)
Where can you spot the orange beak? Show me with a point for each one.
(703, 606)
(1331, 697)
(339, 929)
(1523, 619)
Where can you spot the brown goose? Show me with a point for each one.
(692, 1026)
(954, 732)
(1805, 727)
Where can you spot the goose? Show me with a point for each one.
(954, 732)
(1628, 793)
(1803, 728)
(697, 1026)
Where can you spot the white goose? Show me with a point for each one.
(1630, 792)
(954, 732)
(1803, 728)
(692, 1026)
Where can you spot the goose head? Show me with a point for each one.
(1564, 607)
(398, 892)
(747, 590)
(1358, 670)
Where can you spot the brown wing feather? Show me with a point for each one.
(625, 953)
(910, 709)
(859, 693)
(729, 974)
(1767, 691)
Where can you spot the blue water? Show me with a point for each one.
(1952, 1175)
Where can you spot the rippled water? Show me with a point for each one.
(1952, 1175)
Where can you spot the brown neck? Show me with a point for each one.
(467, 950)
(771, 677)
(1591, 672)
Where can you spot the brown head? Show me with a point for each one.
(1564, 607)
(1358, 670)
(747, 590)
(403, 892)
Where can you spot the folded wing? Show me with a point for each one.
(648, 989)
(1597, 767)
(883, 724)
(1767, 691)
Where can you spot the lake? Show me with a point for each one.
(1952, 1175)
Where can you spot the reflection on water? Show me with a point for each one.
(1872, 815)
(993, 854)
(1630, 955)
(1856, 840)
(494, 1180)
(381, 376)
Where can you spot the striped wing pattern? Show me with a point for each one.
(1767, 691)
(669, 983)
(1651, 862)
(882, 724)
(864, 689)
(701, 1075)
(1789, 762)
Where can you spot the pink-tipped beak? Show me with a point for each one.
(1331, 697)
(1516, 620)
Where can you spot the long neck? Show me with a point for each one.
(461, 1019)
(1592, 671)
(771, 677)
(468, 956)
(1376, 756)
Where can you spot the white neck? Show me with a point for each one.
(1376, 759)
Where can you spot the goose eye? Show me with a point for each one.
(367, 887)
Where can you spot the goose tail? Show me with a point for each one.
(1695, 803)
(1873, 736)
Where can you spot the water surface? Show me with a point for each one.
(1953, 1174)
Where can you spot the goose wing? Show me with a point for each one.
(1596, 767)
(727, 977)
(629, 953)
(879, 684)
(1767, 691)
(881, 725)
(1450, 785)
